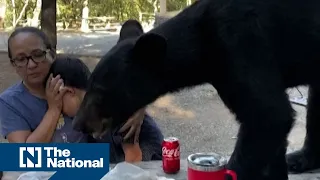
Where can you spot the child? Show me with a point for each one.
(75, 75)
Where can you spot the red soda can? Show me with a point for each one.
(171, 155)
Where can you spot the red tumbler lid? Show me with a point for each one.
(206, 162)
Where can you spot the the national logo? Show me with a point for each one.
(30, 157)
(76, 160)
(53, 157)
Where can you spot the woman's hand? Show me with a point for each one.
(134, 123)
(54, 92)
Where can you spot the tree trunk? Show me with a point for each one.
(155, 6)
(85, 16)
(36, 13)
(13, 13)
(3, 7)
(163, 7)
(48, 20)
(21, 13)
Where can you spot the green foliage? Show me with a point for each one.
(70, 11)
(18, 6)
(120, 9)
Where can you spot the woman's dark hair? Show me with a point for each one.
(72, 70)
(35, 31)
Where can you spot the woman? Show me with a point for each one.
(29, 112)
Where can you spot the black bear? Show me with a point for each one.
(129, 29)
(251, 51)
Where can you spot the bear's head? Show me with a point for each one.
(126, 79)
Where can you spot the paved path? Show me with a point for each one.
(196, 116)
(95, 44)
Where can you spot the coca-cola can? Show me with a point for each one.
(171, 155)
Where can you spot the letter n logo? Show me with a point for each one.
(30, 157)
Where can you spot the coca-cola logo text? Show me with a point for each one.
(171, 152)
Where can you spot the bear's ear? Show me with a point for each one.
(130, 29)
(150, 49)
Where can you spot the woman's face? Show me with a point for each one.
(30, 58)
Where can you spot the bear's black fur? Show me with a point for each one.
(251, 51)
(130, 28)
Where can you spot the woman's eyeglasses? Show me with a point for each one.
(36, 56)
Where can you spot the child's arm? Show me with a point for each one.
(132, 151)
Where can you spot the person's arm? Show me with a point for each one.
(16, 129)
(44, 132)
(19, 133)
(54, 93)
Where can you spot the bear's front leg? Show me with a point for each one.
(266, 118)
(308, 158)
(254, 160)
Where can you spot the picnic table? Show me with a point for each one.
(156, 167)
(152, 166)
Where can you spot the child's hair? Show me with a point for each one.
(72, 70)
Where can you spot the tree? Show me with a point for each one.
(69, 12)
(13, 13)
(36, 13)
(48, 20)
(3, 9)
(14, 20)
(85, 16)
